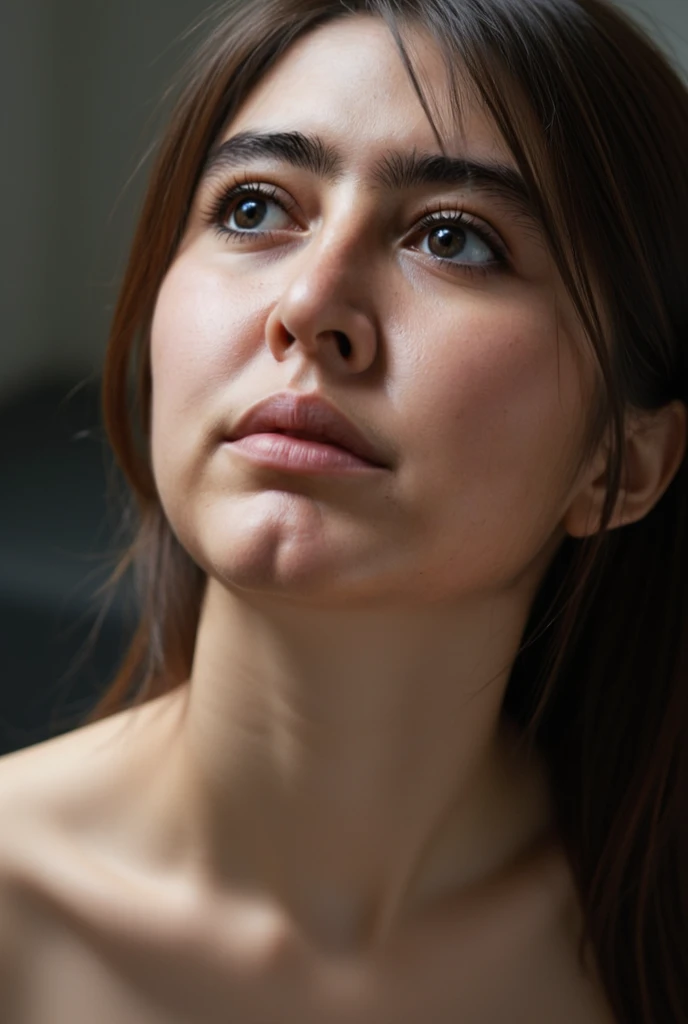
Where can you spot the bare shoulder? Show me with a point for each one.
(49, 791)
(21, 840)
(45, 791)
(58, 800)
(48, 795)
(14, 941)
(39, 786)
(569, 989)
(526, 933)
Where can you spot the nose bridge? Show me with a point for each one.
(329, 278)
(328, 286)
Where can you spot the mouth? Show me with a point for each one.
(308, 419)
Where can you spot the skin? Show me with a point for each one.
(337, 758)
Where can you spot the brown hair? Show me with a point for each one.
(597, 121)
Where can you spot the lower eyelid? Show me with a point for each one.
(484, 270)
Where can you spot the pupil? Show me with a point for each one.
(249, 212)
(448, 241)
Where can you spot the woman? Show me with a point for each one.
(407, 736)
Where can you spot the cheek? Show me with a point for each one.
(498, 361)
(201, 327)
(497, 408)
(493, 429)
(201, 334)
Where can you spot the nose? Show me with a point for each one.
(325, 310)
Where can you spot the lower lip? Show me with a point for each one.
(279, 451)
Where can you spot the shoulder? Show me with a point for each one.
(19, 918)
(60, 780)
(40, 786)
(36, 786)
(531, 931)
(14, 940)
(43, 790)
(47, 792)
(569, 989)
(58, 797)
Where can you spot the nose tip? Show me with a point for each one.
(326, 303)
(353, 339)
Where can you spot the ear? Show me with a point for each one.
(655, 447)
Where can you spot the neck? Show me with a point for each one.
(349, 784)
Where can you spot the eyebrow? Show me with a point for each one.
(394, 171)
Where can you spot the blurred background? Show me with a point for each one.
(83, 83)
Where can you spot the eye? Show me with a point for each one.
(448, 242)
(248, 210)
(450, 237)
(255, 211)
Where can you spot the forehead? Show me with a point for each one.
(346, 80)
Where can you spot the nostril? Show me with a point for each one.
(343, 342)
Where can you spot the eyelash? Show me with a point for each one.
(216, 213)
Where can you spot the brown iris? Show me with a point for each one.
(249, 212)
(447, 241)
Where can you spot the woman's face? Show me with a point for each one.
(462, 367)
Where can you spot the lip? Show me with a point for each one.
(288, 411)
(287, 454)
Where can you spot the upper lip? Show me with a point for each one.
(306, 414)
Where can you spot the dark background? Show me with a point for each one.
(82, 83)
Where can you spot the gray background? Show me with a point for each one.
(82, 82)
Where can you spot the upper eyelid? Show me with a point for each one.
(478, 224)
(221, 191)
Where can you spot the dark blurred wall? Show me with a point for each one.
(29, 160)
(81, 81)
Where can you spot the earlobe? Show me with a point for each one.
(585, 512)
(655, 449)
(582, 518)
